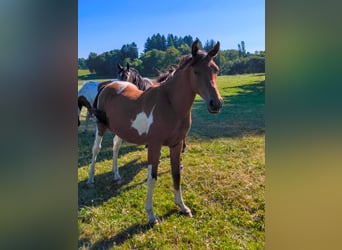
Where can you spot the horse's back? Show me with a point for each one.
(89, 90)
(122, 88)
(117, 94)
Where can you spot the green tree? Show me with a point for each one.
(184, 49)
(155, 42)
(129, 51)
(91, 62)
(171, 57)
(152, 61)
(82, 63)
(209, 44)
(221, 63)
(242, 49)
(170, 40)
(230, 54)
(255, 64)
(188, 40)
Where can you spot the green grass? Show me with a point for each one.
(223, 182)
(83, 72)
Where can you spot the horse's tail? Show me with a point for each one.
(99, 114)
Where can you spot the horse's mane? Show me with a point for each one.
(164, 76)
(184, 61)
(187, 60)
(139, 81)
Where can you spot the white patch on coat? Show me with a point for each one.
(122, 86)
(142, 122)
(89, 91)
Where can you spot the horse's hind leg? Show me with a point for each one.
(96, 149)
(94, 125)
(116, 146)
(86, 122)
(175, 169)
(153, 161)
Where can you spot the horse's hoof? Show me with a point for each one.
(187, 213)
(153, 222)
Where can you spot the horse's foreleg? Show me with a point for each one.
(96, 150)
(175, 169)
(116, 146)
(153, 161)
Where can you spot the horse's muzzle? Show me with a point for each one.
(214, 106)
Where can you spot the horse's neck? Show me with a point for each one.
(180, 93)
(140, 82)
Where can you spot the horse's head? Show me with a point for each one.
(204, 72)
(125, 74)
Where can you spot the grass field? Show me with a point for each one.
(223, 181)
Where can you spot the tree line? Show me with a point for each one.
(161, 52)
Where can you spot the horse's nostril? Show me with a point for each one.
(215, 105)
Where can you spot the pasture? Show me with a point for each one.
(223, 181)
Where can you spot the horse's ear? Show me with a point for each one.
(195, 48)
(127, 66)
(120, 67)
(213, 52)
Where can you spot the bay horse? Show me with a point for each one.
(159, 116)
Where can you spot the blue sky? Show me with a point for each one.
(104, 25)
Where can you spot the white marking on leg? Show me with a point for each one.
(116, 146)
(142, 122)
(150, 186)
(180, 203)
(96, 150)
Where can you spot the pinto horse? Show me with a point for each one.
(86, 97)
(159, 116)
(132, 75)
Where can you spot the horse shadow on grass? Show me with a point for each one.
(124, 235)
(85, 144)
(105, 187)
(242, 114)
(103, 190)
